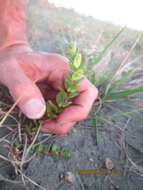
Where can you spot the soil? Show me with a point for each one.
(118, 139)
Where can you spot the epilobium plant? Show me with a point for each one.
(65, 95)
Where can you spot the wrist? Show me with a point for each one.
(13, 23)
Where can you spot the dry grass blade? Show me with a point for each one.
(34, 140)
(9, 111)
(4, 158)
(8, 180)
(124, 62)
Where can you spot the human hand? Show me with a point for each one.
(33, 77)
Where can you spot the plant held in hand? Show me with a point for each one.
(65, 96)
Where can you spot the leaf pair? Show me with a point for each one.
(52, 110)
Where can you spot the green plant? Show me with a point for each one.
(65, 96)
(64, 153)
(52, 150)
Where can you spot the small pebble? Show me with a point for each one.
(91, 160)
(109, 164)
(69, 177)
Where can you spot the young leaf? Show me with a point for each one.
(46, 149)
(40, 148)
(60, 98)
(65, 104)
(54, 148)
(52, 115)
(52, 110)
(53, 106)
(68, 83)
(73, 88)
(77, 75)
(73, 48)
(77, 61)
(64, 153)
(73, 94)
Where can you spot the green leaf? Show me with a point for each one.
(46, 149)
(126, 77)
(68, 83)
(52, 110)
(72, 67)
(53, 107)
(54, 148)
(73, 48)
(60, 98)
(40, 148)
(73, 88)
(77, 75)
(122, 94)
(64, 153)
(77, 61)
(52, 115)
(78, 80)
(65, 104)
(73, 94)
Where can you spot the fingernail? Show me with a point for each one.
(34, 109)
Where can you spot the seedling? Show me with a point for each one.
(64, 153)
(52, 150)
(65, 96)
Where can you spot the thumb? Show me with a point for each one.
(24, 91)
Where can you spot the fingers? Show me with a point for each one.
(79, 110)
(50, 68)
(81, 106)
(18, 74)
(58, 128)
(23, 90)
